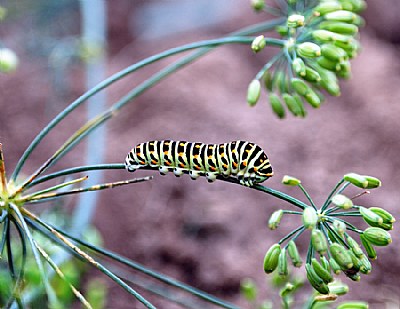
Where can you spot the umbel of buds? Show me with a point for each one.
(319, 38)
(333, 248)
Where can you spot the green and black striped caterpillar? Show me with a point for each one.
(244, 160)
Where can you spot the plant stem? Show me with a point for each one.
(125, 72)
(307, 196)
(300, 228)
(139, 267)
(89, 259)
(74, 170)
(328, 200)
(3, 179)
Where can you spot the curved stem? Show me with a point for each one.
(127, 71)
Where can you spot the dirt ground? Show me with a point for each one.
(213, 235)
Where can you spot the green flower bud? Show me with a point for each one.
(327, 7)
(329, 36)
(248, 289)
(311, 75)
(338, 27)
(299, 67)
(295, 21)
(344, 69)
(385, 215)
(368, 247)
(290, 181)
(335, 266)
(308, 50)
(277, 106)
(356, 179)
(258, 5)
(267, 78)
(331, 86)
(342, 16)
(377, 236)
(342, 201)
(339, 227)
(313, 99)
(366, 266)
(318, 241)
(338, 288)
(316, 281)
(303, 112)
(300, 86)
(8, 60)
(341, 256)
(370, 216)
(310, 218)
(3, 13)
(351, 47)
(353, 305)
(294, 254)
(325, 263)
(282, 30)
(356, 261)
(353, 275)
(332, 52)
(275, 219)
(282, 264)
(328, 64)
(253, 92)
(321, 271)
(373, 182)
(354, 5)
(258, 44)
(271, 258)
(292, 105)
(279, 82)
(354, 246)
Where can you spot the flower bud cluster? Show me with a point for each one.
(321, 39)
(332, 249)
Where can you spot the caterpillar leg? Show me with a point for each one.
(163, 170)
(211, 177)
(178, 172)
(194, 175)
(130, 168)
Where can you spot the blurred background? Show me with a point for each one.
(208, 235)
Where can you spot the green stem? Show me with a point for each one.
(307, 196)
(206, 45)
(74, 170)
(300, 228)
(350, 214)
(328, 200)
(290, 212)
(89, 259)
(268, 65)
(141, 268)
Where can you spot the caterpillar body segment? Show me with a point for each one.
(244, 160)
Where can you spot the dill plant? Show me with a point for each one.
(317, 41)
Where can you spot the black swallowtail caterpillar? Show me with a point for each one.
(244, 160)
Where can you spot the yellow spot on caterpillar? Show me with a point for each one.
(222, 155)
(166, 152)
(168, 163)
(261, 160)
(209, 157)
(153, 161)
(197, 146)
(225, 165)
(245, 163)
(235, 164)
(182, 165)
(234, 150)
(213, 168)
(255, 169)
(210, 147)
(167, 143)
(180, 154)
(181, 144)
(195, 156)
(247, 150)
(197, 167)
(142, 162)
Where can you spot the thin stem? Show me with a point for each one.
(290, 212)
(4, 235)
(89, 259)
(54, 188)
(350, 214)
(80, 190)
(350, 226)
(125, 72)
(300, 228)
(268, 65)
(3, 179)
(328, 200)
(74, 170)
(139, 267)
(49, 290)
(58, 271)
(307, 196)
(10, 258)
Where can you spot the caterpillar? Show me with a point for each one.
(244, 160)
